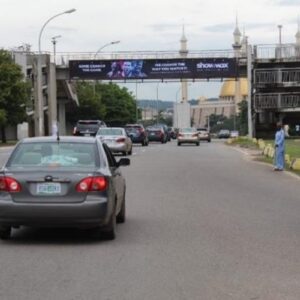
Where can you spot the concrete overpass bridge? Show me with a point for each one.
(59, 96)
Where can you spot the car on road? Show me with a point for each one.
(188, 135)
(116, 139)
(156, 134)
(62, 182)
(204, 134)
(224, 134)
(172, 132)
(87, 127)
(137, 133)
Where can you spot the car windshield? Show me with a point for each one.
(201, 129)
(110, 131)
(53, 154)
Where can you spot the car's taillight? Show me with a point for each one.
(180, 134)
(92, 184)
(141, 130)
(74, 130)
(9, 184)
(120, 140)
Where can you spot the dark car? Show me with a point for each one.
(137, 133)
(70, 182)
(224, 134)
(87, 127)
(204, 134)
(165, 129)
(156, 134)
(172, 132)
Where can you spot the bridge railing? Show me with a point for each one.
(277, 52)
(63, 58)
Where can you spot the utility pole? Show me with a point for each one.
(249, 77)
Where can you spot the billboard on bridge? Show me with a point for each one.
(153, 68)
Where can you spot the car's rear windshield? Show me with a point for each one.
(88, 123)
(53, 154)
(110, 131)
(201, 129)
(188, 130)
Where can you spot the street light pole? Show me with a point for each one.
(95, 55)
(108, 44)
(136, 101)
(38, 82)
(41, 31)
(279, 28)
(54, 46)
(157, 116)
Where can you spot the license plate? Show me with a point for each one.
(48, 188)
(87, 134)
(152, 133)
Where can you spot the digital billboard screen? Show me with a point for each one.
(153, 68)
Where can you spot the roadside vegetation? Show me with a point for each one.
(292, 149)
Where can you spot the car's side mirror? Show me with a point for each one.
(123, 162)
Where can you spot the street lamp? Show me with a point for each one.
(54, 38)
(157, 116)
(177, 94)
(38, 90)
(108, 44)
(279, 28)
(65, 12)
(95, 55)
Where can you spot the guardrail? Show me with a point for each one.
(277, 52)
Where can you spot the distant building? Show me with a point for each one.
(232, 92)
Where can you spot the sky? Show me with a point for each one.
(142, 25)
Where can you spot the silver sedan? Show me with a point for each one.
(116, 139)
(188, 135)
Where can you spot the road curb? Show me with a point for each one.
(245, 152)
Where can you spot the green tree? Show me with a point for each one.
(119, 103)
(243, 117)
(90, 104)
(14, 93)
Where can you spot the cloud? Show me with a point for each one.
(288, 2)
(229, 27)
(169, 26)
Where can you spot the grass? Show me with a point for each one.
(292, 148)
(244, 142)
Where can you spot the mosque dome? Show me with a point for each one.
(228, 88)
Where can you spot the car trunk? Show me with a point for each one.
(49, 186)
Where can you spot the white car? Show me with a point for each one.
(188, 135)
(116, 139)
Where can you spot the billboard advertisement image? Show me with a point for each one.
(153, 69)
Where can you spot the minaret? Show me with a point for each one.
(237, 46)
(183, 53)
(236, 39)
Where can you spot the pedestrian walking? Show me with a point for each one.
(279, 148)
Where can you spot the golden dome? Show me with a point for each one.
(228, 88)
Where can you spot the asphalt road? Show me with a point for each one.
(203, 223)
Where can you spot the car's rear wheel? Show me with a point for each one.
(178, 144)
(5, 232)
(109, 231)
(197, 144)
(130, 151)
(121, 217)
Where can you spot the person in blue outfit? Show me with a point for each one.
(279, 148)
